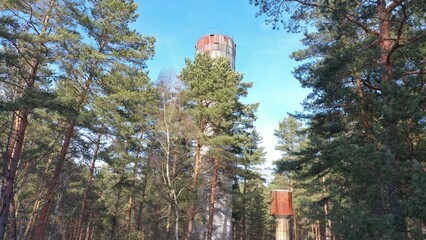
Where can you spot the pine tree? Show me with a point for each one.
(112, 47)
(365, 65)
(212, 99)
(30, 35)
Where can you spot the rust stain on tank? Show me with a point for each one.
(217, 45)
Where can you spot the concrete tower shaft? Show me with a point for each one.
(217, 45)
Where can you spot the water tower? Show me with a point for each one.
(217, 45)
(282, 210)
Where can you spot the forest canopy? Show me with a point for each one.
(92, 148)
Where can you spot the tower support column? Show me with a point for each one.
(282, 231)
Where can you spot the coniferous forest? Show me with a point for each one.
(92, 148)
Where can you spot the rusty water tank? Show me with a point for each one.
(217, 45)
(281, 203)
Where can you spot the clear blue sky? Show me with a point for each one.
(262, 53)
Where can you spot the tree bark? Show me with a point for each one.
(12, 220)
(10, 166)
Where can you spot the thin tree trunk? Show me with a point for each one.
(37, 203)
(176, 222)
(175, 199)
(328, 233)
(33, 217)
(88, 228)
(318, 227)
(117, 204)
(140, 220)
(191, 212)
(87, 190)
(212, 198)
(129, 217)
(244, 220)
(87, 235)
(169, 220)
(364, 118)
(297, 230)
(130, 202)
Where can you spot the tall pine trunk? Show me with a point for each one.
(129, 216)
(12, 220)
(11, 160)
(37, 203)
(87, 190)
(48, 201)
(13, 154)
(44, 212)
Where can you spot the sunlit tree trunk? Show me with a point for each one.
(37, 203)
(114, 225)
(87, 189)
(129, 216)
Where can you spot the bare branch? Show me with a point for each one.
(371, 86)
(360, 24)
(420, 72)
